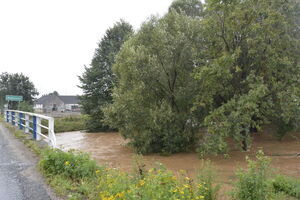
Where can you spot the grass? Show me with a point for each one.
(67, 124)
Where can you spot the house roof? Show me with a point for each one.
(42, 100)
(69, 99)
(66, 99)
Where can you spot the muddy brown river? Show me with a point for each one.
(110, 149)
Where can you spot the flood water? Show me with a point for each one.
(110, 149)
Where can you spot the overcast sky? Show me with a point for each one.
(51, 40)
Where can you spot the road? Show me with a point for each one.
(19, 178)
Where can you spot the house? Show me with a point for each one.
(53, 102)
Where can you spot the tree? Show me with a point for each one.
(251, 76)
(153, 98)
(16, 84)
(193, 8)
(97, 80)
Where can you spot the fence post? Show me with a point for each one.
(27, 123)
(38, 128)
(20, 121)
(13, 118)
(7, 116)
(34, 126)
(51, 132)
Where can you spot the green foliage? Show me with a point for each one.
(287, 185)
(253, 183)
(73, 165)
(154, 95)
(157, 184)
(25, 106)
(97, 80)
(249, 73)
(207, 179)
(67, 124)
(16, 84)
(193, 8)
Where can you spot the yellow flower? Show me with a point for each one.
(67, 163)
(141, 183)
(120, 195)
(150, 170)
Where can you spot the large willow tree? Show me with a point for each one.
(155, 90)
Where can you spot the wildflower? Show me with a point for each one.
(141, 183)
(150, 170)
(120, 195)
(67, 163)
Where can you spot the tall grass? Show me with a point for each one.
(66, 124)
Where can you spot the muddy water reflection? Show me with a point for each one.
(111, 149)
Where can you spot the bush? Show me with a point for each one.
(287, 185)
(72, 165)
(253, 184)
(25, 106)
(93, 122)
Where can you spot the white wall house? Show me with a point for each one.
(52, 102)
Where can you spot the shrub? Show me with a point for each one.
(253, 184)
(25, 106)
(74, 165)
(287, 185)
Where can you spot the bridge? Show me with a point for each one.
(34, 124)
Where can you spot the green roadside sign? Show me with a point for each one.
(13, 98)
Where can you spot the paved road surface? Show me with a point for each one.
(19, 179)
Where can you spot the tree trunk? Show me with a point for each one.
(244, 141)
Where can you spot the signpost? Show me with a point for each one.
(13, 98)
(10, 98)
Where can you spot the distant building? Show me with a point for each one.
(53, 102)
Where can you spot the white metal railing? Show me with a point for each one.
(32, 123)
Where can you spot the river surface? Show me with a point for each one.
(110, 149)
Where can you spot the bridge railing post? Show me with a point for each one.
(7, 116)
(34, 127)
(27, 123)
(13, 118)
(20, 121)
(38, 128)
(51, 133)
